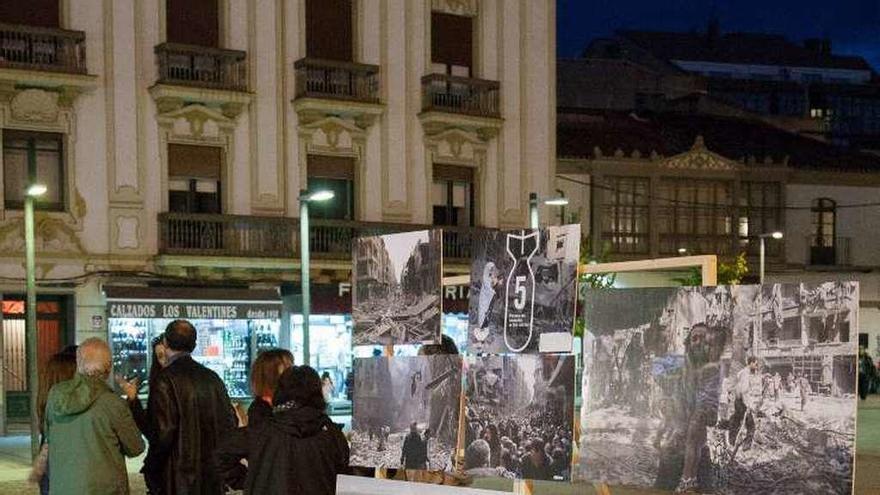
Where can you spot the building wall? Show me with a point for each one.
(861, 226)
(119, 128)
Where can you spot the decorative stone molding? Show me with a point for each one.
(197, 122)
(363, 115)
(469, 8)
(484, 128)
(170, 98)
(51, 236)
(127, 232)
(35, 105)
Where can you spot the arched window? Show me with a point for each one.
(822, 244)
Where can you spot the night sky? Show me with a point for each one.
(852, 25)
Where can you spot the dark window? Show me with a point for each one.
(335, 174)
(193, 22)
(43, 13)
(452, 43)
(33, 157)
(625, 214)
(453, 195)
(695, 215)
(329, 29)
(823, 241)
(194, 178)
(760, 212)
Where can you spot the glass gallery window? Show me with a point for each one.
(695, 214)
(759, 213)
(625, 203)
(30, 157)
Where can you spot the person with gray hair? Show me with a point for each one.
(89, 428)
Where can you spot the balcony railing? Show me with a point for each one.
(202, 66)
(278, 237)
(43, 49)
(336, 80)
(463, 95)
(828, 251)
(225, 235)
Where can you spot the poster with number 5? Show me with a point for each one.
(523, 288)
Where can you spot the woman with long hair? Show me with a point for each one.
(141, 416)
(60, 367)
(298, 449)
(266, 370)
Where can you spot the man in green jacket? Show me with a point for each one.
(90, 429)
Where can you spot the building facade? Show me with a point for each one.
(175, 136)
(661, 184)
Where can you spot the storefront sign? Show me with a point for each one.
(193, 311)
(336, 299)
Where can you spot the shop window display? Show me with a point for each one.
(225, 346)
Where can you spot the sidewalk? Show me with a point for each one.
(15, 464)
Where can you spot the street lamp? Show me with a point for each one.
(306, 197)
(533, 206)
(774, 235)
(32, 192)
(682, 251)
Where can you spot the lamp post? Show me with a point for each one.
(306, 197)
(31, 193)
(773, 235)
(533, 207)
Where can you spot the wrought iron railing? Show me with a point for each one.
(278, 237)
(202, 66)
(828, 251)
(464, 95)
(316, 78)
(43, 49)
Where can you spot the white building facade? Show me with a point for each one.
(175, 136)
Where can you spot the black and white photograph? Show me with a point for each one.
(519, 416)
(722, 390)
(523, 290)
(406, 411)
(397, 296)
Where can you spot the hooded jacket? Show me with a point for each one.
(295, 451)
(90, 431)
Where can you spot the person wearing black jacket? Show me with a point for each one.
(298, 450)
(190, 412)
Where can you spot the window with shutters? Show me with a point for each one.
(329, 30)
(193, 22)
(194, 178)
(332, 173)
(42, 13)
(33, 158)
(452, 44)
(453, 195)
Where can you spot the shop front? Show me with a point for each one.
(233, 326)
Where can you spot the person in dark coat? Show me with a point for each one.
(414, 454)
(266, 370)
(298, 450)
(190, 412)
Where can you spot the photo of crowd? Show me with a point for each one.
(519, 416)
(723, 390)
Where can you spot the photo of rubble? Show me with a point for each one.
(397, 288)
(519, 416)
(726, 390)
(406, 411)
(523, 286)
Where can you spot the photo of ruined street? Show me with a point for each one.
(397, 294)
(724, 390)
(406, 411)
